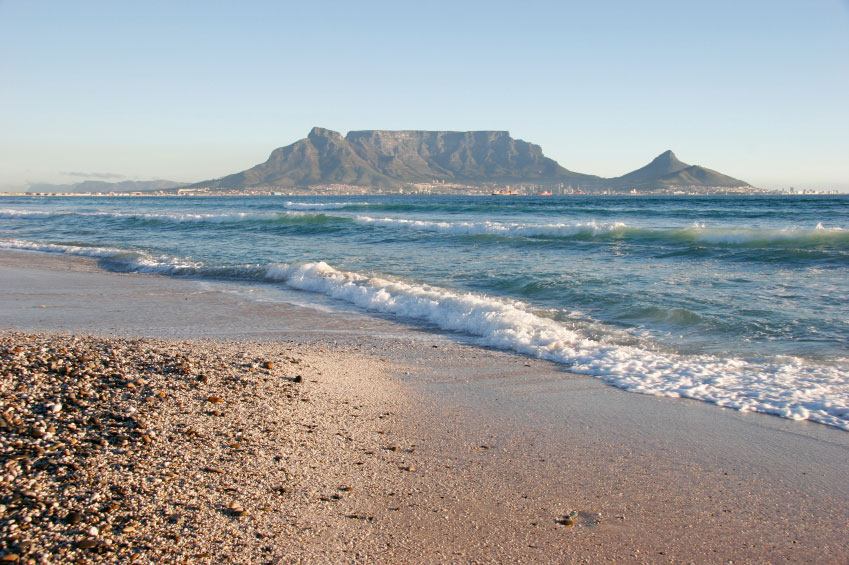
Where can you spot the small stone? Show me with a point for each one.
(236, 508)
(568, 520)
(215, 399)
(161, 394)
(10, 557)
(74, 517)
(88, 543)
(93, 531)
(298, 379)
(269, 365)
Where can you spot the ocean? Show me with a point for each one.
(741, 301)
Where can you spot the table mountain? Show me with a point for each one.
(394, 158)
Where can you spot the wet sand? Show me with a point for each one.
(501, 447)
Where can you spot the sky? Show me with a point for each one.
(193, 90)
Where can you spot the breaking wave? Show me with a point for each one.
(203, 218)
(786, 386)
(790, 387)
(697, 234)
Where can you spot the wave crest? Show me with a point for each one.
(788, 387)
(792, 389)
(698, 234)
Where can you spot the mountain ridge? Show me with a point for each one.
(666, 170)
(397, 158)
(104, 186)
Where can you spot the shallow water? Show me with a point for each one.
(741, 301)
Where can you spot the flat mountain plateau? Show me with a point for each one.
(395, 159)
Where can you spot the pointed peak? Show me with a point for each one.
(669, 161)
(667, 155)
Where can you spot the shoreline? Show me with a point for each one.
(505, 446)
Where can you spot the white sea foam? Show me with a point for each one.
(762, 237)
(134, 261)
(790, 388)
(9, 214)
(321, 206)
(698, 233)
(494, 228)
(232, 217)
(56, 248)
(213, 218)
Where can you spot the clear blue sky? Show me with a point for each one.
(188, 90)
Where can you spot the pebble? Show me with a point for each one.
(88, 543)
(84, 478)
(236, 508)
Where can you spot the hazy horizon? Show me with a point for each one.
(194, 91)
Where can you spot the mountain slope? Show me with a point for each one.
(664, 164)
(700, 176)
(394, 158)
(324, 157)
(103, 186)
(666, 171)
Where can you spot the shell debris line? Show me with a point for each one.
(148, 451)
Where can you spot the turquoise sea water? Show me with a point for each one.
(741, 301)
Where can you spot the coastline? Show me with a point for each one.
(504, 446)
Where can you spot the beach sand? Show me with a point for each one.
(397, 445)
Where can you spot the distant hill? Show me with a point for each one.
(664, 164)
(102, 186)
(395, 158)
(666, 171)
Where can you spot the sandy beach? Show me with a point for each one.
(217, 422)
